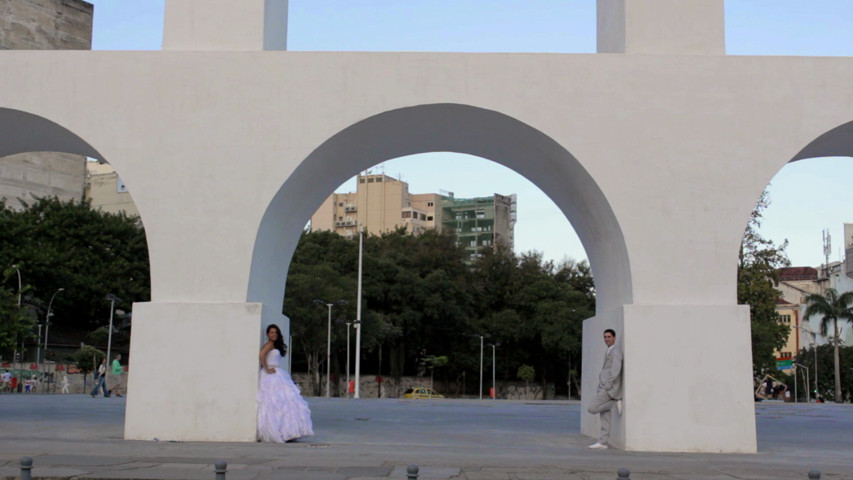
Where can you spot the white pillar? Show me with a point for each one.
(193, 372)
(225, 25)
(687, 378)
(671, 27)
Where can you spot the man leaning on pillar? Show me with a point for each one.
(609, 393)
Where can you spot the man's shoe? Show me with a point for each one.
(598, 445)
(619, 407)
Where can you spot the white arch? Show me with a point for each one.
(442, 127)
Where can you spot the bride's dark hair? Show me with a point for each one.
(278, 344)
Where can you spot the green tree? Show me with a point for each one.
(324, 267)
(89, 253)
(88, 358)
(825, 362)
(16, 324)
(420, 286)
(832, 307)
(423, 295)
(758, 261)
(535, 309)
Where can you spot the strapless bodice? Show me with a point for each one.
(273, 358)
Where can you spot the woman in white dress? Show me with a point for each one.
(283, 414)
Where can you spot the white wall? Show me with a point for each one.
(657, 160)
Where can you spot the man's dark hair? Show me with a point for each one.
(611, 331)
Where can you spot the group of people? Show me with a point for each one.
(115, 386)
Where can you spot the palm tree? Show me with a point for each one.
(832, 307)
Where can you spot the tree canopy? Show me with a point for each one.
(758, 261)
(67, 244)
(424, 298)
(832, 307)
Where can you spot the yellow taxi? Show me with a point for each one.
(421, 392)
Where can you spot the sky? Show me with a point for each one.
(806, 197)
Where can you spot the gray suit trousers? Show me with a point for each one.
(602, 405)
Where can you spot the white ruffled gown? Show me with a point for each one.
(283, 414)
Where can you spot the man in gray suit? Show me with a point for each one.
(609, 388)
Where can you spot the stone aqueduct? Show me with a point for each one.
(656, 150)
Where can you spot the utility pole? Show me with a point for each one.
(827, 248)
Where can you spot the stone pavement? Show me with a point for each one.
(76, 436)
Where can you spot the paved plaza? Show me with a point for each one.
(76, 436)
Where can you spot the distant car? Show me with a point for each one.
(421, 392)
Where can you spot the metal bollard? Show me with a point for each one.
(26, 468)
(221, 468)
(814, 475)
(412, 472)
(623, 474)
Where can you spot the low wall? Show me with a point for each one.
(371, 386)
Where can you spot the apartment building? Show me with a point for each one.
(382, 204)
(106, 191)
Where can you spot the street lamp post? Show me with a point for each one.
(20, 287)
(47, 320)
(808, 400)
(486, 335)
(329, 342)
(112, 299)
(358, 317)
(38, 347)
(814, 345)
(349, 324)
(494, 382)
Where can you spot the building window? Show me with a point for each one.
(340, 218)
(785, 355)
(423, 217)
(784, 319)
(429, 218)
(378, 179)
(430, 204)
(481, 214)
(361, 180)
(370, 180)
(407, 214)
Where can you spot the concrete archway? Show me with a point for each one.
(442, 127)
(223, 150)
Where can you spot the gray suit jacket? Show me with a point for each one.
(610, 378)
